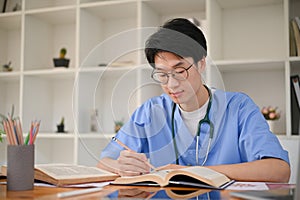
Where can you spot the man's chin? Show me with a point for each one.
(176, 100)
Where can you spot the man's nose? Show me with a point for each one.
(172, 82)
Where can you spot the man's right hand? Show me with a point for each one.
(129, 163)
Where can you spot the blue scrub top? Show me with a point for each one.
(241, 134)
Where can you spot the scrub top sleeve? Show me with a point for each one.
(112, 150)
(256, 140)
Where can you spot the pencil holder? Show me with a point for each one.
(20, 167)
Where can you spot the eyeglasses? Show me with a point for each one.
(179, 73)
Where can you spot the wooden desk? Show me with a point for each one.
(43, 193)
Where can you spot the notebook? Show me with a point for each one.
(291, 194)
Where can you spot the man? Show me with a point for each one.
(192, 124)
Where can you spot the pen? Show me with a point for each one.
(127, 148)
(77, 192)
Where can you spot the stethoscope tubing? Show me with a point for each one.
(202, 121)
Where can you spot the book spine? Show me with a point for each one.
(295, 105)
(297, 19)
(296, 32)
(293, 50)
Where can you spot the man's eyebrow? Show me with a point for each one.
(180, 63)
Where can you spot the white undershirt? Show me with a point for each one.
(191, 119)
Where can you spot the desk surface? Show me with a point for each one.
(113, 191)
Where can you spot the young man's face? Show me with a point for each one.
(186, 93)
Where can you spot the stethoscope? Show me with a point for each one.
(202, 121)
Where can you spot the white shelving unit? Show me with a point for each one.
(248, 41)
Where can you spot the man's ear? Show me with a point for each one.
(201, 65)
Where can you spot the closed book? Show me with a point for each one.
(67, 174)
(295, 109)
(296, 32)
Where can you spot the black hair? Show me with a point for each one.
(178, 36)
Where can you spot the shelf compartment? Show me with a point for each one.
(116, 87)
(49, 98)
(10, 95)
(264, 82)
(156, 12)
(147, 87)
(49, 150)
(249, 65)
(10, 40)
(232, 21)
(178, 7)
(107, 35)
(45, 34)
(89, 150)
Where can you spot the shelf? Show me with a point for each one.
(10, 21)
(47, 4)
(10, 76)
(107, 11)
(249, 65)
(294, 59)
(103, 2)
(65, 15)
(230, 4)
(290, 137)
(96, 135)
(55, 136)
(54, 74)
(178, 7)
(107, 69)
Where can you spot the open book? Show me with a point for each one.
(65, 174)
(186, 194)
(154, 193)
(190, 176)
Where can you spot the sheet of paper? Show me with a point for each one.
(85, 185)
(99, 185)
(248, 186)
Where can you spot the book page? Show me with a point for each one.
(64, 171)
(203, 174)
(180, 194)
(155, 176)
